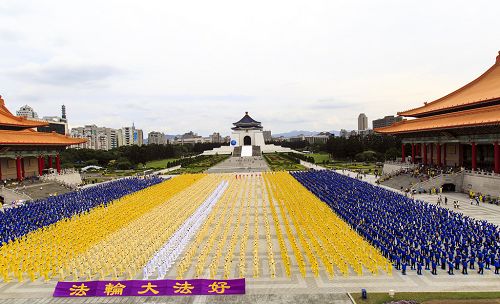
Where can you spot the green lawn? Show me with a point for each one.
(159, 164)
(201, 165)
(279, 162)
(422, 297)
(320, 157)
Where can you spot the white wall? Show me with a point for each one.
(482, 183)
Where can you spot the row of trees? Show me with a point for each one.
(361, 148)
(127, 157)
(364, 148)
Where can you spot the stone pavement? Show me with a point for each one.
(240, 165)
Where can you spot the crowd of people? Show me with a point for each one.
(16, 222)
(107, 241)
(411, 233)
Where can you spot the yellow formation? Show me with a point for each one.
(321, 235)
(55, 251)
(258, 210)
(263, 225)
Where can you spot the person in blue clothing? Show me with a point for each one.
(403, 266)
(457, 262)
(464, 266)
(450, 267)
(443, 263)
(480, 266)
(413, 262)
(472, 261)
(17, 222)
(419, 268)
(497, 265)
(398, 262)
(434, 267)
(404, 227)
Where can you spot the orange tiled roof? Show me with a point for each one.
(30, 137)
(485, 88)
(469, 118)
(8, 119)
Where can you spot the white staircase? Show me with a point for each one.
(246, 151)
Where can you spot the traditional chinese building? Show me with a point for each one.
(247, 139)
(25, 152)
(460, 129)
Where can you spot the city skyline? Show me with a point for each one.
(298, 66)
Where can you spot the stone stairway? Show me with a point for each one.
(237, 151)
(256, 151)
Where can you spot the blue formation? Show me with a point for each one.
(16, 222)
(411, 233)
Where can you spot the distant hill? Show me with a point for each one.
(299, 132)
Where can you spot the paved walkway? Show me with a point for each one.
(240, 165)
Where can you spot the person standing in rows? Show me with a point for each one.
(481, 267)
(434, 267)
(450, 267)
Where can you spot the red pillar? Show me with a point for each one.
(444, 155)
(474, 156)
(431, 146)
(460, 155)
(22, 168)
(49, 158)
(403, 156)
(438, 154)
(18, 168)
(413, 153)
(58, 163)
(496, 158)
(425, 154)
(40, 169)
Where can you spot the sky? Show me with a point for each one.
(177, 66)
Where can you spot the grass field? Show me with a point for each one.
(320, 157)
(201, 165)
(278, 162)
(159, 164)
(435, 297)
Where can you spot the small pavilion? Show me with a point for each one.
(24, 152)
(461, 129)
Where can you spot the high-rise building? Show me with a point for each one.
(56, 124)
(27, 111)
(63, 113)
(267, 136)
(156, 138)
(138, 137)
(386, 121)
(216, 138)
(98, 138)
(362, 122)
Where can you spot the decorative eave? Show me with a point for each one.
(33, 138)
(485, 116)
(247, 121)
(8, 119)
(484, 89)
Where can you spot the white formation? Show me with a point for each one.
(163, 260)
